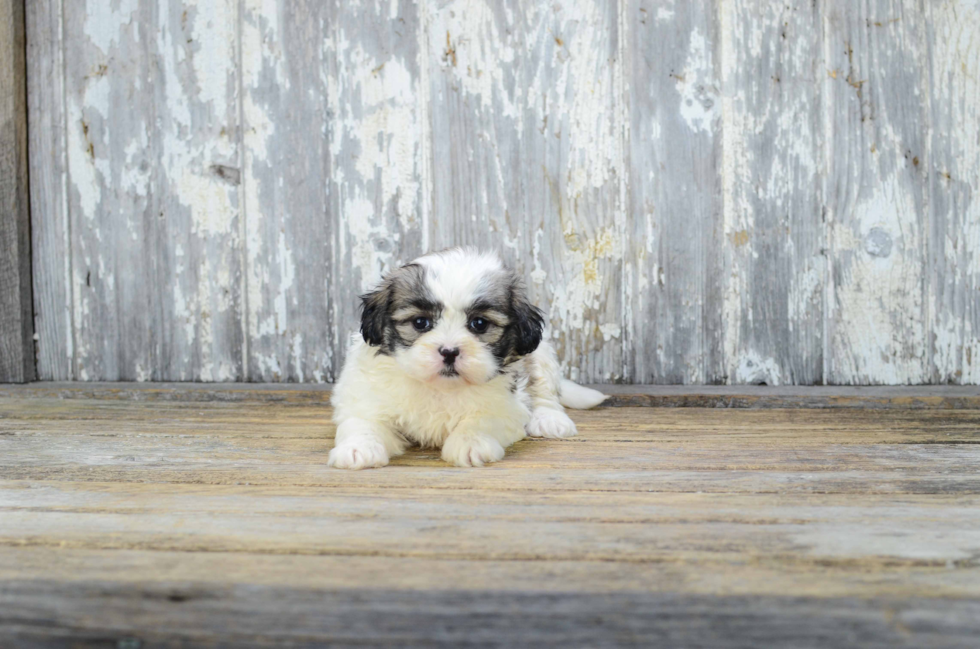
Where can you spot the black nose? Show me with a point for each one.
(449, 355)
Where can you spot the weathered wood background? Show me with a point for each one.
(16, 326)
(731, 192)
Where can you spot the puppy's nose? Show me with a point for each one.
(449, 355)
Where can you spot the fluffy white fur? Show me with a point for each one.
(388, 398)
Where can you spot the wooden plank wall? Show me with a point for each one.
(729, 192)
(16, 303)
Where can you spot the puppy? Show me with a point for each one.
(452, 357)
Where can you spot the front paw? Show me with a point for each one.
(546, 422)
(474, 450)
(363, 454)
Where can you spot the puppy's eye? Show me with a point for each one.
(421, 324)
(479, 325)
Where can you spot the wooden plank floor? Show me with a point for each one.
(144, 523)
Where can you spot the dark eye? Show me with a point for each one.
(479, 325)
(421, 324)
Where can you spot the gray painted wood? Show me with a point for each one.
(153, 195)
(675, 243)
(877, 191)
(50, 235)
(476, 53)
(377, 148)
(774, 234)
(576, 179)
(16, 303)
(286, 60)
(732, 192)
(333, 159)
(527, 157)
(954, 182)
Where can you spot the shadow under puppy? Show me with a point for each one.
(452, 357)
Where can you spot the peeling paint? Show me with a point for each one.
(384, 131)
(473, 54)
(699, 105)
(753, 369)
(876, 294)
(610, 330)
(83, 170)
(553, 131)
(210, 202)
(583, 291)
(103, 19)
(955, 257)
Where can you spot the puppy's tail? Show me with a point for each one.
(573, 395)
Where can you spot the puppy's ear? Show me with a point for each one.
(528, 320)
(374, 314)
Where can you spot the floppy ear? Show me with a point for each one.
(374, 314)
(528, 320)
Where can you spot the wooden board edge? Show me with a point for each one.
(16, 301)
(904, 397)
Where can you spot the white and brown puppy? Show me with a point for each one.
(452, 357)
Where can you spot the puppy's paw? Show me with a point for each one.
(362, 454)
(547, 422)
(464, 450)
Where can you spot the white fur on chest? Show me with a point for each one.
(423, 413)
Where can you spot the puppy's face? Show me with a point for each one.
(456, 317)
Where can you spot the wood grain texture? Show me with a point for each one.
(877, 191)
(475, 57)
(218, 524)
(674, 276)
(50, 234)
(288, 219)
(774, 232)
(494, 527)
(954, 178)
(575, 204)
(333, 155)
(527, 158)
(153, 163)
(97, 614)
(16, 302)
(186, 572)
(378, 153)
(660, 396)
(735, 192)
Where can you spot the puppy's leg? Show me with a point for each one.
(548, 418)
(476, 442)
(363, 444)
